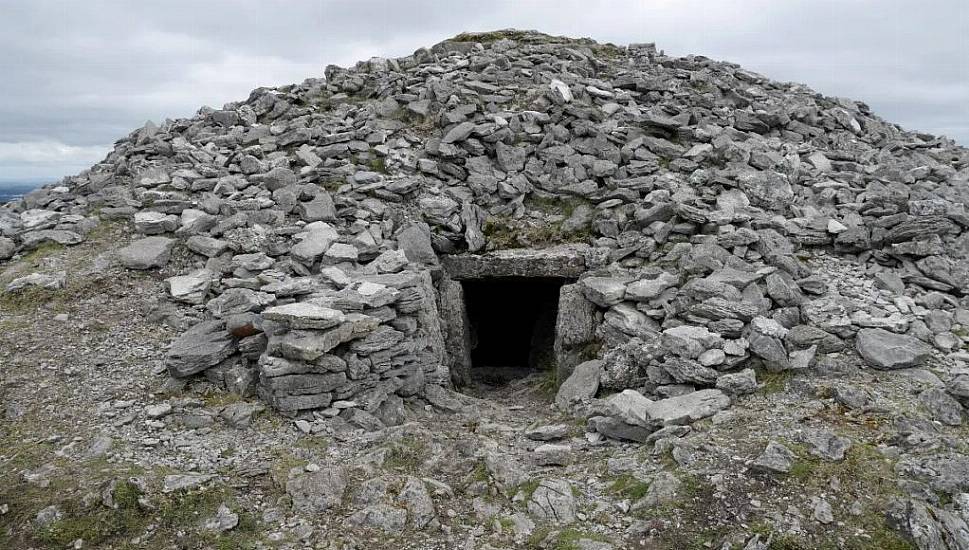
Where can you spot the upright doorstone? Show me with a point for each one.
(457, 337)
(574, 329)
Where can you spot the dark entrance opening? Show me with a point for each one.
(512, 326)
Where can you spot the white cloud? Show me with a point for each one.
(50, 152)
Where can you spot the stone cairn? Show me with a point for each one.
(725, 222)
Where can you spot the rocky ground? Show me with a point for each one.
(101, 450)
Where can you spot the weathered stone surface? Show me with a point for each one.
(604, 291)
(690, 341)
(575, 329)
(155, 223)
(688, 408)
(190, 288)
(305, 315)
(566, 261)
(942, 406)
(238, 300)
(582, 384)
(34, 239)
(7, 248)
(52, 281)
(202, 346)
(553, 502)
(317, 492)
(887, 350)
(647, 289)
(147, 253)
(776, 459)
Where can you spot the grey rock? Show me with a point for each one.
(776, 459)
(664, 489)
(7, 248)
(305, 315)
(766, 342)
(459, 133)
(416, 499)
(238, 300)
(147, 253)
(615, 428)
(223, 520)
(582, 385)
(553, 502)
(49, 281)
(206, 246)
(181, 482)
(383, 517)
(738, 383)
(33, 239)
(604, 291)
(553, 454)
(319, 491)
(190, 288)
(155, 223)
(415, 241)
(548, 432)
(202, 346)
(882, 349)
(690, 341)
(317, 241)
(827, 445)
(685, 409)
(942, 406)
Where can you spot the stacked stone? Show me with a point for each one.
(361, 343)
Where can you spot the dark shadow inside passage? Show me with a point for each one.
(512, 326)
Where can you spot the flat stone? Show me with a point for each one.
(776, 459)
(685, 409)
(553, 454)
(553, 502)
(314, 244)
(604, 291)
(556, 261)
(690, 341)
(33, 239)
(190, 288)
(738, 383)
(548, 432)
(459, 133)
(155, 223)
(200, 347)
(238, 300)
(882, 349)
(206, 246)
(49, 281)
(147, 253)
(305, 315)
(647, 289)
(179, 482)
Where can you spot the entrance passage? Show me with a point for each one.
(512, 326)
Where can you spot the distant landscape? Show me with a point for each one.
(12, 190)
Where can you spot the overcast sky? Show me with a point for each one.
(79, 74)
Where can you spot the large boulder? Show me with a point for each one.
(886, 350)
